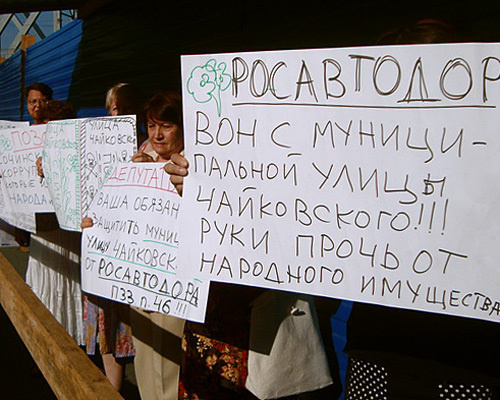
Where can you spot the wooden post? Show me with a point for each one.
(67, 369)
(27, 41)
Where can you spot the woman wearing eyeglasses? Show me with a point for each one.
(37, 96)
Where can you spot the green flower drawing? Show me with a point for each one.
(5, 144)
(207, 82)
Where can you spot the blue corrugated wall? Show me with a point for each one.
(52, 61)
(10, 88)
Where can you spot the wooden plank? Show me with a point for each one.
(67, 369)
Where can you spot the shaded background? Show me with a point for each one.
(140, 41)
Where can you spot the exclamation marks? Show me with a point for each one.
(430, 213)
(180, 309)
(445, 213)
(421, 214)
(431, 219)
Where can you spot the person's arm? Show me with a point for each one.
(87, 223)
(39, 168)
(177, 169)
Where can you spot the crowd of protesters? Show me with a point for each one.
(177, 359)
(172, 359)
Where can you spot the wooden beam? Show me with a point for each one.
(67, 369)
(89, 6)
(27, 41)
(19, 6)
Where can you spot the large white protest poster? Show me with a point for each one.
(77, 157)
(369, 174)
(24, 192)
(130, 254)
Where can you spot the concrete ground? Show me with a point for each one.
(18, 377)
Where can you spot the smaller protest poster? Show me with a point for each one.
(61, 166)
(12, 124)
(77, 157)
(130, 253)
(24, 192)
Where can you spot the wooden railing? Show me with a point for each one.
(67, 369)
